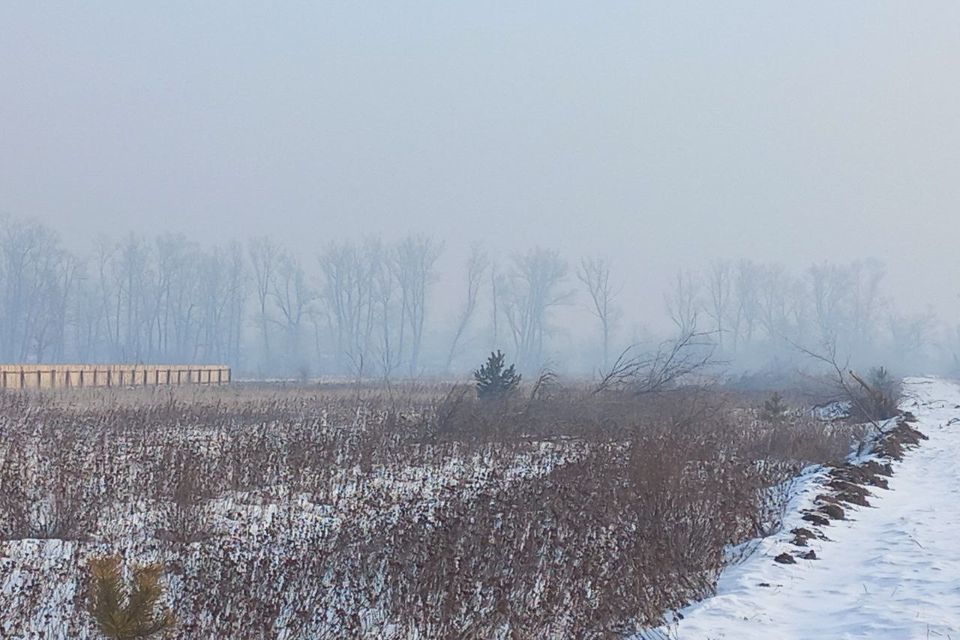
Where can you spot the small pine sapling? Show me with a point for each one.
(774, 408)
(124, 611)
(493, 380)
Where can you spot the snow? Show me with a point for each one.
(41, 580)
(891, 571)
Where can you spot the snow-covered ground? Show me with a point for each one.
(889, 572)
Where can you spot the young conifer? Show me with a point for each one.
(124, 611)
(493, 380)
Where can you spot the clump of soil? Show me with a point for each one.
(898, 439)
(848, 484)
(853, 498)
(865, 474)
(833, 511)
(801, 535)
(816, 519)
(877, 468)
(849, 492)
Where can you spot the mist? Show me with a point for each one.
(150, 154)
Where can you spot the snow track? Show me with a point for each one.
(890, 572)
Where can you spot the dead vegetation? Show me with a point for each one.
(422, 513)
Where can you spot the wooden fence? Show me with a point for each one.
(58, 376)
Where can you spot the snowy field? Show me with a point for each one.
(293, 514)
(889, 572)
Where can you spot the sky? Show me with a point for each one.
(659, 135)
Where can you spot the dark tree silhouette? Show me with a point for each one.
(493, 380)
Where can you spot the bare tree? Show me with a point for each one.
(745, 287)
(183, 281)
(672, 362)
(348, 272)
(828, 287)
(87, 318)
(533, 291)
(292, 297)
(390, 313)
(61, 270)
(845, 301)
(720, 284)
(496, 288)
(36, 277)
(683, 301)
(594, 273)
(868, 277)
(128, 290)
(477, 264)
(778, 290)
(133, 274)
(413, 262)
(844, 380)
(263, 258)
(237, 291)
(910, 335)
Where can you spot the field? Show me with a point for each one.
(400, 512)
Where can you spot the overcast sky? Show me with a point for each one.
(657, 134)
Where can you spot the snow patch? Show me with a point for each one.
(889, 572)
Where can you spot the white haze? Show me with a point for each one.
(661, 136)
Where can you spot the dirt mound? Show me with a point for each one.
(898, 439)
(848, 484)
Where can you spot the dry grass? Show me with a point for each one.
(409, 512)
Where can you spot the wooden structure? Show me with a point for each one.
(59, 376)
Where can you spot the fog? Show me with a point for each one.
(660, 138)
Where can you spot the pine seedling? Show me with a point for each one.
(774, 408)
(125, 612)
(493, 380)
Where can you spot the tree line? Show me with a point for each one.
(368, 307)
